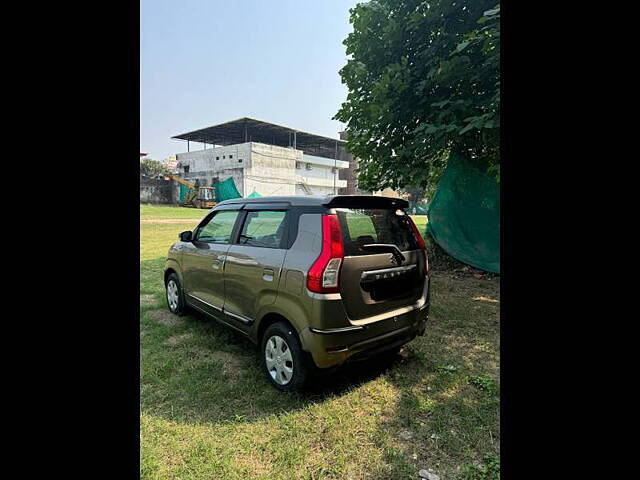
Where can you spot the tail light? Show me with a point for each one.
(421, 244)
(323, 276)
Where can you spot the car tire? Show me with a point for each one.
(175, 295)
(282, 358)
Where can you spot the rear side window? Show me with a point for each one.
(364, 226)
(264, 228)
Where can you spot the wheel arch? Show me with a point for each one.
(172, 267)
(269, 319)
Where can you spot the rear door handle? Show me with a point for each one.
(218, 261)
(267, 275)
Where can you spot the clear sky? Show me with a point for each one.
(204, 62)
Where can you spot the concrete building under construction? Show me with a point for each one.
(267, 159)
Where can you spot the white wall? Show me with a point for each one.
(319, 176)
(272, 170)
(216, 159)
(266, 169)
(315, 190)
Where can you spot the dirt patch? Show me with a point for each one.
(165, 317)
(462, 286)
(147, 300)
(176, 339)
(232, 365)
(485, 299)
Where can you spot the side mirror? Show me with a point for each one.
(185, 236)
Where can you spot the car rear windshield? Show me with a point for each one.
(364, 226)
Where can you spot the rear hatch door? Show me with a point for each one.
(374, 281)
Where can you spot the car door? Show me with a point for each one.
(254, 263)
(374, 282)
(203, 260)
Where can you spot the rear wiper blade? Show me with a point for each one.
(386, 247)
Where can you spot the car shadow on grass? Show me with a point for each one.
(196, 370)
(193, 369)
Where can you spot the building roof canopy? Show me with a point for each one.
(252, 130)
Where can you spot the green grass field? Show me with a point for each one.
(152, 212)
(421, 222)
(207, 412)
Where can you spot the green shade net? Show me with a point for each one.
(183, 192)
(464, 214)
(254, 195)
(226, 190)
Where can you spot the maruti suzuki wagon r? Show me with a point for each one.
(313, 281)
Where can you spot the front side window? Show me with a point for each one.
(219, 227)
(265, 228)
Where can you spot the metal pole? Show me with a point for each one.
(187, 145)
(335, 166)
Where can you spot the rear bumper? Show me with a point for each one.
(334, 346)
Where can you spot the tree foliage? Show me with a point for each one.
(424, 82)
(151, 168)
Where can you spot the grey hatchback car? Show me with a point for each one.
(314, 281)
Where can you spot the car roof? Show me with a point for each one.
(361, 201)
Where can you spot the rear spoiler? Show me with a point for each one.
(365, 201)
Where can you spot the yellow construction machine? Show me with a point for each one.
(197, 197)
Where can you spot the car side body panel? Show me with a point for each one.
(266, 281)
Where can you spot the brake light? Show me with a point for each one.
(421, 244)
(323, 275)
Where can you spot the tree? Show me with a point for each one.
(151, 168)
(424, 83)
(417, 194)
